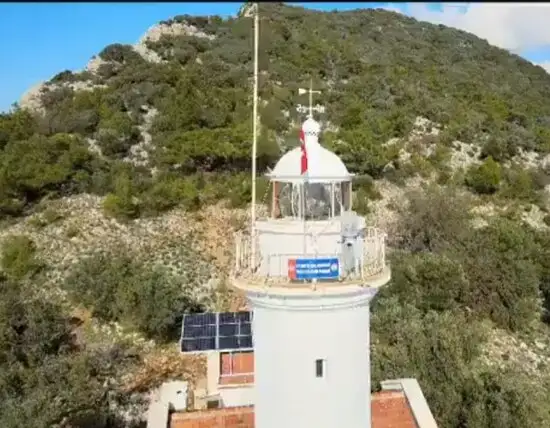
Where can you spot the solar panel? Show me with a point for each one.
(212, 331)
(228, 330)
(245, 342)
(198, 344)
(227, 318)
(200, 319)
(245, 329)
(229, 342)
(243, 316)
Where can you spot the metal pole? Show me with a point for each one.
(311, 98)
(254, 139)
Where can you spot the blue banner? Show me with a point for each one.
(313, 268)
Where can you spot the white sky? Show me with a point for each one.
(519, 27)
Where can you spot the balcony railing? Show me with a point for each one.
(370, 263)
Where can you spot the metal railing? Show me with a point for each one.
(371, 262)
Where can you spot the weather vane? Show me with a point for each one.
(302, 109)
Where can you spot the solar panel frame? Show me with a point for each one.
(210, 331)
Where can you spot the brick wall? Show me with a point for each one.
(234, 417)
(390, 409)
(236, 368)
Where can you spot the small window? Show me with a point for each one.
(319, 368)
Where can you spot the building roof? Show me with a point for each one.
(323, 166)
(390, 409)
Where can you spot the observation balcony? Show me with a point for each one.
(284, 247)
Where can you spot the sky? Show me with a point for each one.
(39, 40)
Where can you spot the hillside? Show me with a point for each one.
(121, 186)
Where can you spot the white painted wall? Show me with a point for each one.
(212, 372)
(292, 331)
(175, 393)
(284, 239)
(231, 395)
(235, 396)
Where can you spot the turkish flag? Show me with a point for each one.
(292, 268)
(303, 163)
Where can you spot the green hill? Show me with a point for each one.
(161, 131)
(378, 71)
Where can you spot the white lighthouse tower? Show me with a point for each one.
(310, 281)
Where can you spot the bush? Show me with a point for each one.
(519, 184)
(500, 262)
(119, 53)
(433, 346)
(118, 288)
(434, 220)
(112, 144)
(428, 281)
(120, 207)
(122, 204)
(45, 374)
(485, 178)
(18, 257)
(32, 168)
(169, 191)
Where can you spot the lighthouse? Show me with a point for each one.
(315, 269)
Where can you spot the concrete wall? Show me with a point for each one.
(281, 240)
(231, 395)
(292, 332)
(235, 396)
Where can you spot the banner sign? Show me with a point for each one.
(313, 268)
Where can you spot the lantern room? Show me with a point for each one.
(310, 182)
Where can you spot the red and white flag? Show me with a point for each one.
(303, 160)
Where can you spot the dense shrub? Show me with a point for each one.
(169, 191)
(118, 288)
(434, 220)
(501, 265)
(18, 257)
(32, 168)
(428, 281)
(122, 204)
(44, 373)
(485, 178)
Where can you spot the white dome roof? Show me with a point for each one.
(323, 166)
(311, 127)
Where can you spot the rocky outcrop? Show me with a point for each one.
(80, 229)
(172, 29)
(31, 100)
(139, 153)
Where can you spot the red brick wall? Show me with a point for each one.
(390, 409)
(234, 417)
(236, 368)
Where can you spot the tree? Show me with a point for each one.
(40, 165)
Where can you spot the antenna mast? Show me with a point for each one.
(311, 97)
(254, 9)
